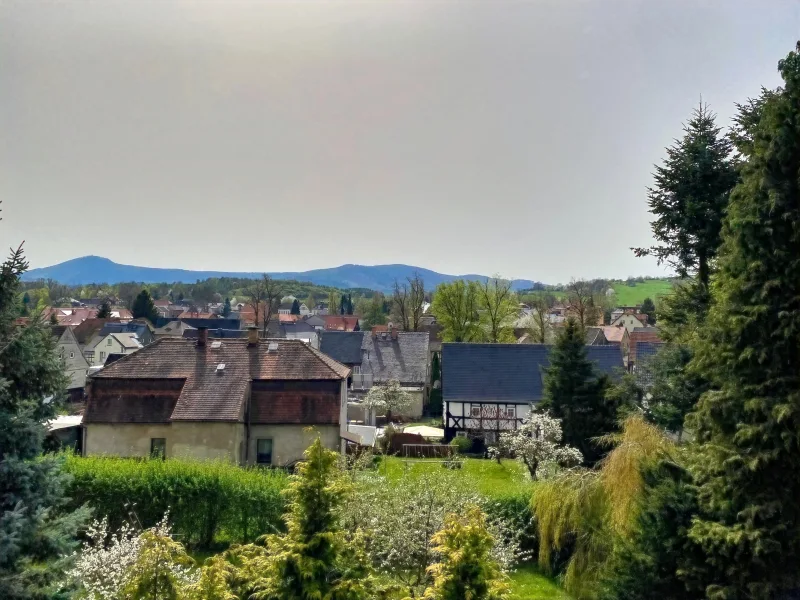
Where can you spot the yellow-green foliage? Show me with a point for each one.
(161, 570)
(466, 569)
(589, 509)
(207, 501)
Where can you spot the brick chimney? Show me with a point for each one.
(202, 336)
(252, 336)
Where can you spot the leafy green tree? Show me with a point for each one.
(226, 308)
(143, 307)
(466, 568)
(748, 426)
(455, 305)
(649, 308)
(333, 303)
(689, 198)
(312, 560)
(373, 313)
(37, 534)
(295, 310)
(104, 312)
(576, 395)
(499, 308)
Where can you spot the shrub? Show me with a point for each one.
(207, 501)
(464, 444)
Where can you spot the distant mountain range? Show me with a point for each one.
(96, 269)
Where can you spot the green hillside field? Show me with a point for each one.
(630, 296)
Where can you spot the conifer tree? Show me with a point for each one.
(295, 310)
(37, 535)
(226, 308)
(313, 559)
(748, 463)
(689, 198)
(143, 307)
(104, 312)
(649, 308)
(576, 395)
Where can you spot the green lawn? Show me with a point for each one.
(527, 583)
(630, 296)
(488, 477)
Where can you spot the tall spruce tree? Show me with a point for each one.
(689, 197)
(295, 310)
(143, 307)
(574, 393)
(104, 312)
(226, 308)
(37, 535)
(748, 463)
(649, 308)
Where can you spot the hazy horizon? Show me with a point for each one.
(462, 137)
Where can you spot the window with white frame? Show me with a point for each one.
(511, 412)
(475, 411)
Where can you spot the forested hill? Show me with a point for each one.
(96, 269)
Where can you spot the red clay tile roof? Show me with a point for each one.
(190, 314)
(642, 334)
(209, 394)
(340, 323)
(282, 318)
(614, 334)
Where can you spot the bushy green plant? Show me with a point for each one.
(207, 501)
(466, 568)
(463, 444)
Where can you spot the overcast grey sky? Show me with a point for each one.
(484, 136)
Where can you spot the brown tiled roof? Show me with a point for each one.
(210, 394)
(90, 328)
(642, 334)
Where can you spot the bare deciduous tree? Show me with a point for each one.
(407, 300)
(583, 303)
(539, 325)
(263, 297)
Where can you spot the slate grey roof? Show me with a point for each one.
(343, 346)
(404, 358)
(645, 352)
(140, 329)
(510, 373)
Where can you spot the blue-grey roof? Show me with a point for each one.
(507, 372)
(140, 329)
(342, 346)
(217, 333)
(645, 351)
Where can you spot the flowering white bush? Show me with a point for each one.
(387, 398)
(537, 445)
(398, 520)
(105, 561)
(110, 564)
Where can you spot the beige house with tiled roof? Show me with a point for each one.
(248, 401)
